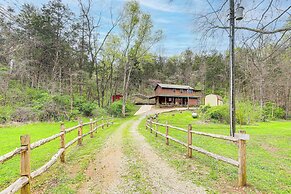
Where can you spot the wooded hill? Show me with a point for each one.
(56, 60)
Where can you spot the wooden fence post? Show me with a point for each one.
(189, 141)
(242, 169)
(167, 133)
(63, 142)
(157, 128)
(80, 133)
(96, 125)
(91, 128)
(25, 162)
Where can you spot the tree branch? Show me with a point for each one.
(257, 30)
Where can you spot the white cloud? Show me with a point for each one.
(162, 5)
(165, 6)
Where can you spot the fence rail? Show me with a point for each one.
(239, 139)
(23, 183)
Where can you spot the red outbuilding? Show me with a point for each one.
(116, 97)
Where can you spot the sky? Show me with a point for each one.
(176, 18)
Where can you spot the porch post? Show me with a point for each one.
(158, 101)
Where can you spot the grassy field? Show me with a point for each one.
(9, 140)
(268, 154)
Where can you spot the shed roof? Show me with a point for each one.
(173, 86)
(217, 96)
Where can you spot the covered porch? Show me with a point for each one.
(171, 101)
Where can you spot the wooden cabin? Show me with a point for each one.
(176, 95)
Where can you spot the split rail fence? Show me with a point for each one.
(23, 183)
(239, 139)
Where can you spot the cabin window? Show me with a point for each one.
(190, 91)
(174, 90)
(181, 91)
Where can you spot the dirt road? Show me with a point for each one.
(108, 172)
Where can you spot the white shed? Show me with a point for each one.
(213, 100)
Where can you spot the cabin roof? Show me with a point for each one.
(173, 86)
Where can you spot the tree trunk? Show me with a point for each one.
(97, 85)
(71, 89)
(124, 89)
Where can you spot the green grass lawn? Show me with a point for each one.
(268, 154)
(10, 139)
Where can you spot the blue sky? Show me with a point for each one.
(175, 18)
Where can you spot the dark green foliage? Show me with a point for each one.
(218, 113)
(4, 115)
(87, 108)
(204, 108)
(271, 112)
(84, 106)
(116, 108)
(30, 104)
(246, 113)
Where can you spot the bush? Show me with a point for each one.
(24, 114)
(272, 111)
(51, 111)
(39, 99)
(62, 100)
(246, 113)
(5, 112)
(116, 108)
(204, 108)
(218, 113)
(99, 112)
(87, 108)
(74, 114)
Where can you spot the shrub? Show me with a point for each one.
(24, 114)
(39, 99)
(74, 114)
(62, 100)
(116, 108)
(51, 111)
(218, 113)
(272, 111)
(204, 108)
(247, 113)
(87, 108)
(99, 112)
(5, 112)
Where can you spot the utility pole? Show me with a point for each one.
(231, 67)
